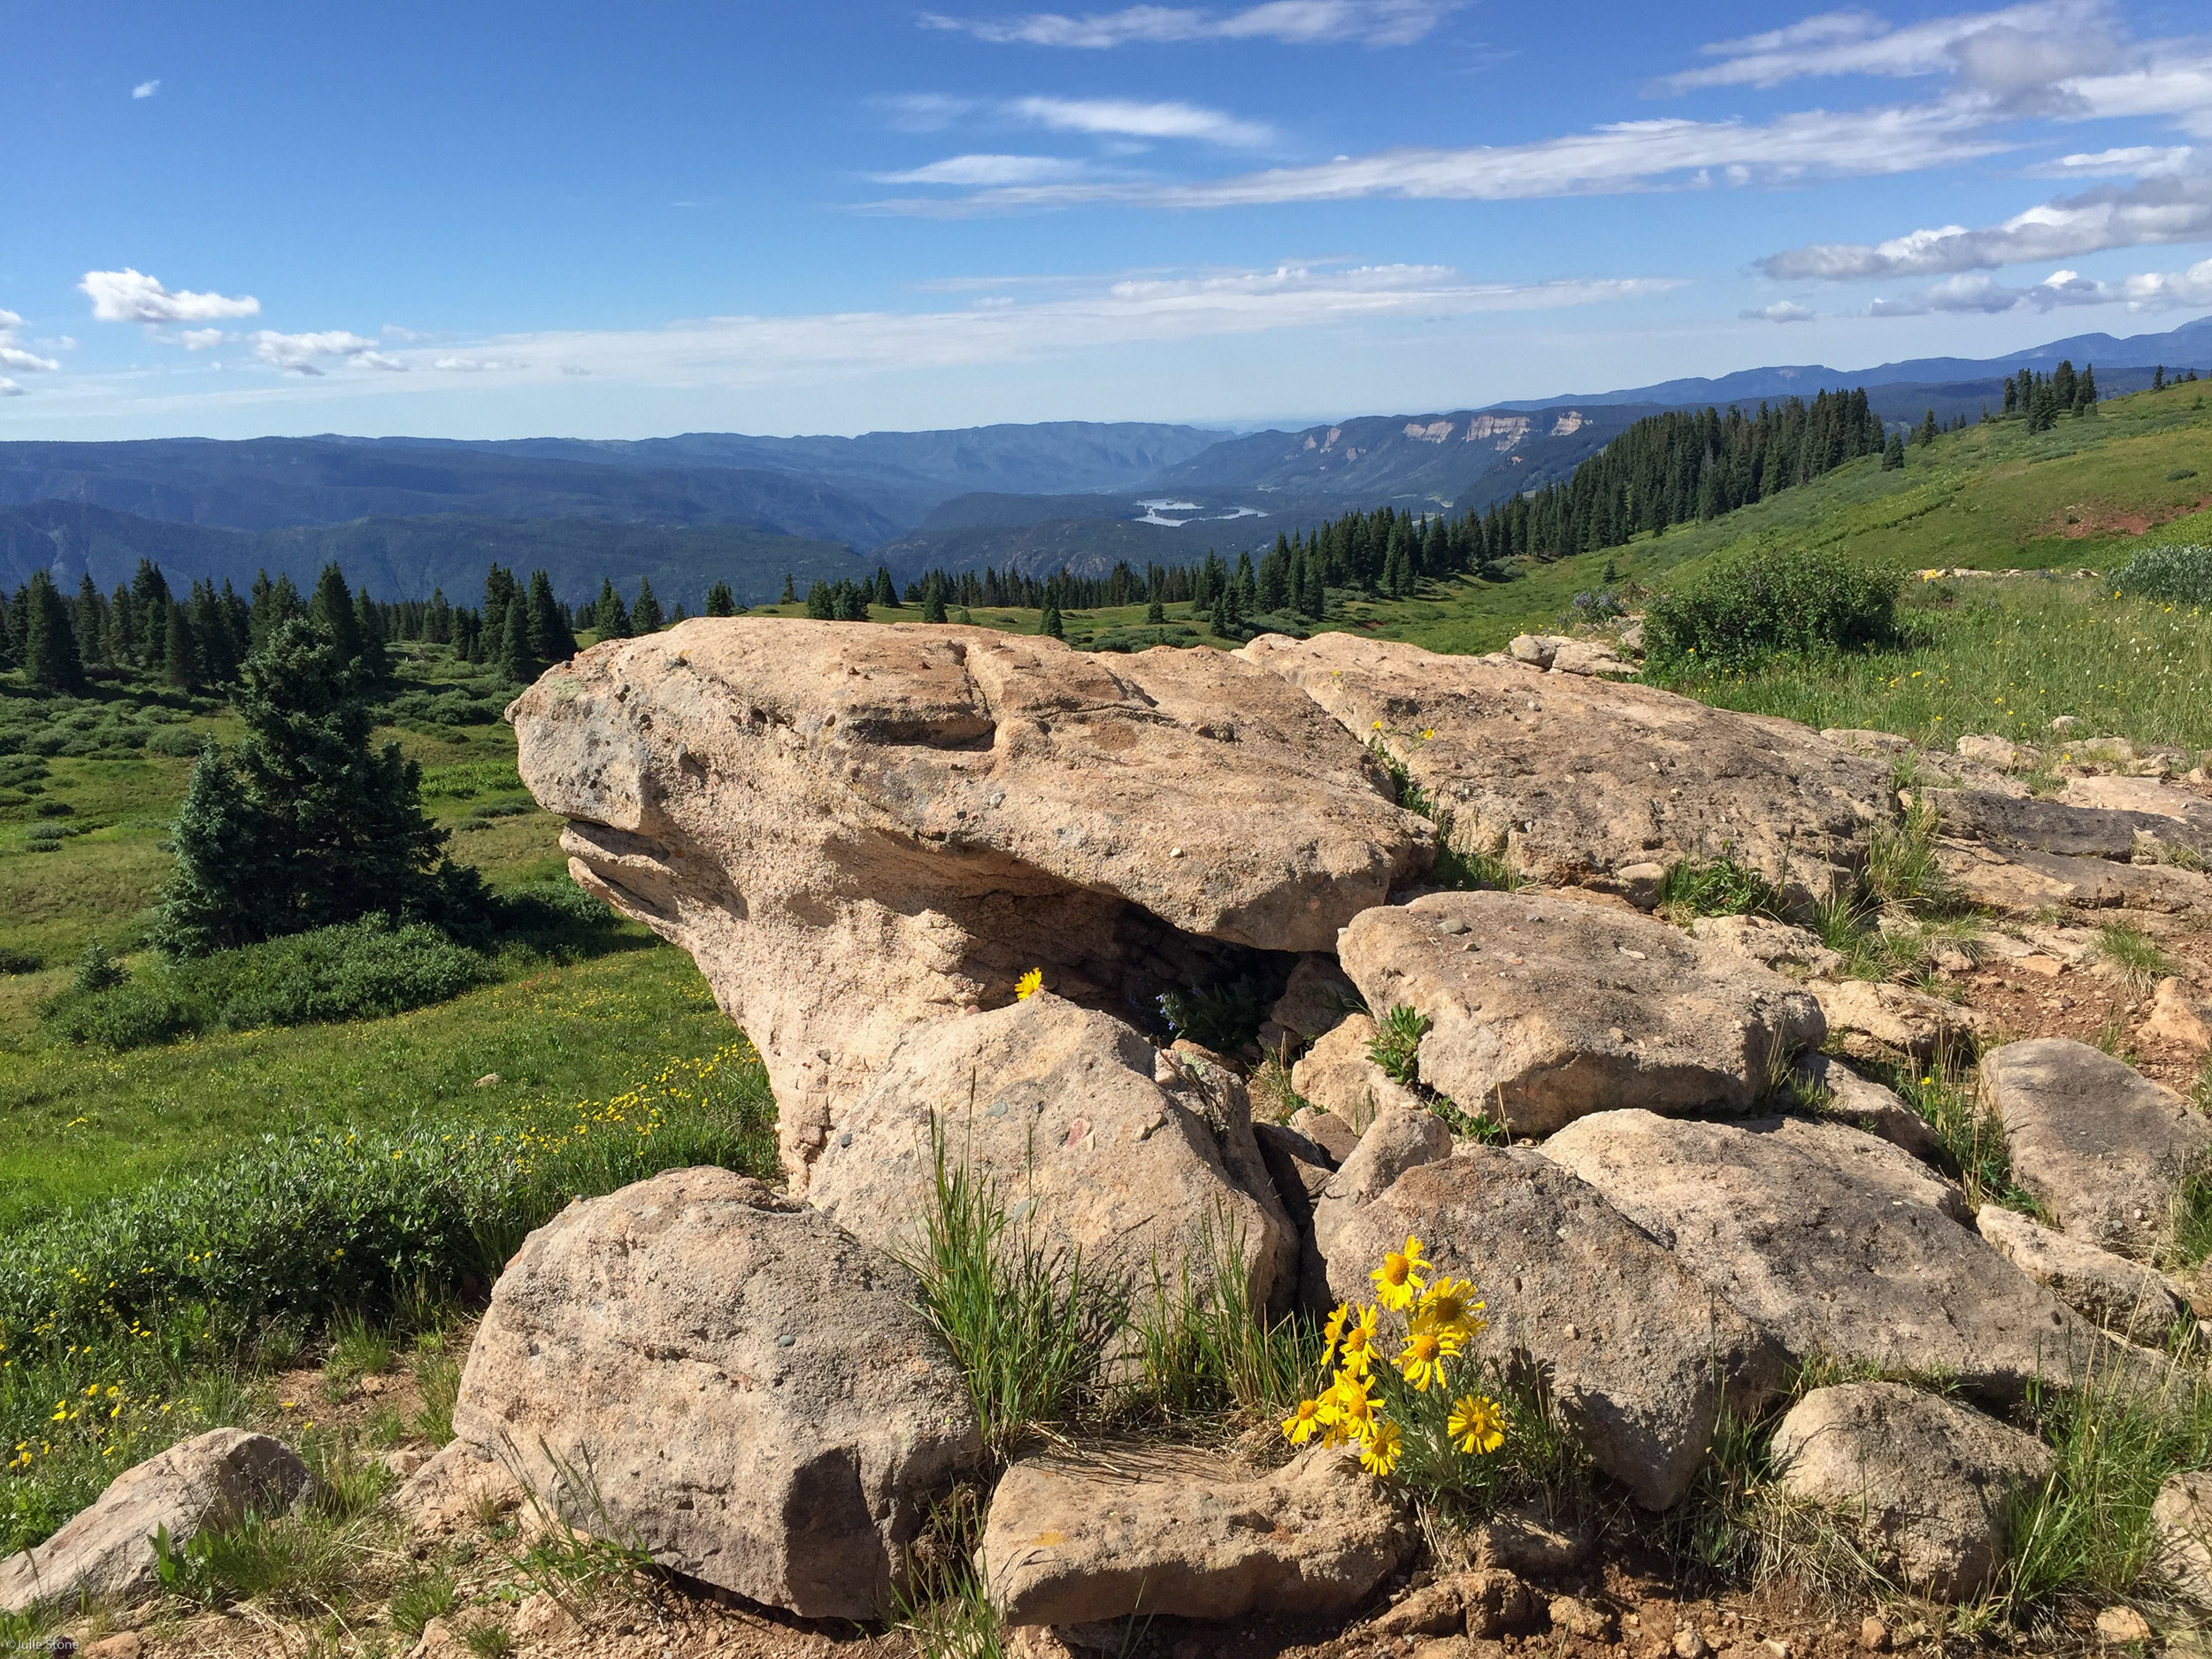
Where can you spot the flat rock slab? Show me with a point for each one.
(2045, 827)
(1926, 1483)
(1865, 1104)
(2121, 1296)
(1572, 778)
(2100, 1145)
(731, 1380)
(1177, 1535)
(1543, 1010)
(1787, 950)
(1637, 1350)
(855, 828)
(2021, 882)
(1089, 1135)
(1877, 1021)
(2181, 1015)
(1831, 1246)
(106, 1552)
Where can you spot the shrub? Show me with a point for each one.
(2182, 574)
(1223, 1018)
(179, 742)
(1763, 602)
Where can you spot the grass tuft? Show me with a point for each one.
(1716, 887)
(2137, 955)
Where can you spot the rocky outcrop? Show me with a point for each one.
(1638, 1353)
(1542, 1010)
(106, 1552)
(1926, 1484)
(2122, 1297)
(1182, 1536)
(2180, 1016)
(1788, 950)
(1103, 1144)
(856, 829)
(2100, 1145)
(2181, 1527)
(1876, 1021)
(728, 1379)
(1337, 1076)
(1865, 1104)
(1571, 779)
(1399, 1139)
(1833, 1248)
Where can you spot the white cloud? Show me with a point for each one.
(2155, 289)
(1295, 22)
(2134, 161)
(1974, 293)
(982, 170)
(1626, 157)
(473, 366)
(200, 339)
(12, 356)
(2163, 208)
(2002, 52)
(377, 360)
(145, 88)
(1128, 118)
(296, 354)
(9, 388)
(1781, 311)
(132, 296)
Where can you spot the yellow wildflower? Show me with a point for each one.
(1299, 1426)
(1450, 1305)
(1421, 1362)
(1351, 1407)
(1378, 1456)
(1395, 1281)
(1355, 1348)
(1477, 1423)
(1029, 985)
(1332, 1331)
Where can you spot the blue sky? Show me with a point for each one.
(477, 220)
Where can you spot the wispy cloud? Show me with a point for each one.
(303, 353)
(145, 88)
(1130, 117)
(12, 356)
(986, 170)
(1780, 312)
(2171, 208)
(9, 388)
(2000, 52)
(1295, 22)
(1975, 294)
(132, 296)
(200, 339)
(2131, 161)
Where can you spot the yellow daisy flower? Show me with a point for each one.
(1299, 1426)
(1421, 1362)
(1396, 1282)
(1332, 1331)
(1355, 1349)
(1379, 1454)
(1450, 1305)
(1029, 985)
(1352, 1406)
(1477, 1423)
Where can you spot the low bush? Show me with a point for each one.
(2180, 574)
(1751, 606)
(1716, 887)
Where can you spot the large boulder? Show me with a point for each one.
(2123, 1297)
(1337, 1076)
(210, 1482)
(1876, 1021)
(1180, 1534)
(1638, 1354)
(1542, 1010)
(1572, 779)
(855, 828)
(2100, 1145)
(1399, 1139)
(1865, 1104)
(1837, 1245)
(1927, 1485)
(1103, 1144)
(2181, 1530)
(727, 1378)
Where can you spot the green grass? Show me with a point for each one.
(2137, 955)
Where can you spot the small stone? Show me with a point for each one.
(404, 1462)
(1451, 925)
(2066, 723)
(490, 1080)
(124, 1644)
(1690, 1643)
(1175, 852)
(1586, 1619)
(1873, 1634)
(2045, 967)
(2123, 1625)
(1435, 1609)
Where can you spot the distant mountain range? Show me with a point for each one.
(405, 514)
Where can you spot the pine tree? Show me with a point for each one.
(303, 824)
(2158, 378)
(645, 610)
(885, 594)
(552, 641)
(1156, 613)
(50, 639)
(437, 618)
(720, 600)
(933, 601)
(86, 619)
(789, 597)
(1048, 622)
(609, 616)
(515, 661)
(2085, 392)
(332, 609)
(819, 604)
(1893, 453)
(1928, 430)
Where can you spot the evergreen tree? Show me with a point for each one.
(86, 620)
(2085, 392)
(376, 662)
(645, 610)
(50, 639)
(1048, 622)
(933, 602)
(609, 616)
(720, 600)
(552, 641)
(303, 824)
(517, 663)
(499, 593)
(789, 597)
(1928, 429)
(437, 618)
(180, 652)
(885, 595)
(2158, 378)
(1156, 613)
(820, 604)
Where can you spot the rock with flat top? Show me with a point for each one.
(855, 829)
(1569, 778)
(1587, 656)
(1337, 1076)
(727, 1378)
(1877, 1021)
(1400, 1139)
(1315, 1001)
(1181, 1534)
(2098, 1144)
(1860, 741)
(2122, 1297)
(1989, 749)
(210, 1482)
(1865, 1104)
(2181, 1524)
(1927, 1484)
(1105, 1146)
(1638, 1353)
(2022, 881)
(1788, 950)
(1835, 1247)
(1542, 1010)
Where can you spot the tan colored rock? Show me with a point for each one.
(1859, 741)
(1587, 656)
(730, 1380)
(1637, 1351)
(1571, 1615)
(1569, 778)
(2181, 1523)
(1107, 1146)
(1301, 1171)
(1401, 1138)
(1327, 1131)
(2123, 1627)
(106, 1551)
(2098, 1144)
(1542, 1010)
(2121, 1296)
(1873, 1166)
(1822, 1244)
(1926, 1483)
(1786, 950)
(1877, 1021)
(854, 829)
(1536, 650)
(462, 1487)
(1315, 1001)
(1867, 1105)
(2174, 801)
(2022, 881)
(2001, 753)
(1179, 1534)
(1337, 1076)
(2179, 1015)
(1485, 1603)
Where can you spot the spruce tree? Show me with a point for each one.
(789, 597)
(645, 610)
(609, 616)
(1048, 621)
(933, 602)
(1928, 430)
(820, 604)
(50, 639)
(332, 609)
(885, 594)
(180, 651)
(86, 616)
(552, 641)
(1156, 613)
(516, 661)
(720, 600)
(1893, 453)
